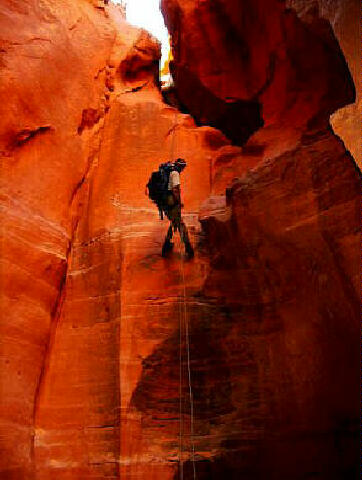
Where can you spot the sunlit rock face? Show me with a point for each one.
(85, 294)
(343, 16)
(55, 62)
(96, 365)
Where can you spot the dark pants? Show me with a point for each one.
(173, 213)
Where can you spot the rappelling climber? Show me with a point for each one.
(164, 188)
(173, 211)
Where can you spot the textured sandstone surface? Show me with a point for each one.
(83, 128)
(284, 243)
(54, 60)
(283, 69)
(93, 325)
(293, 309)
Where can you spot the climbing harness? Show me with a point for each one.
(184, 331)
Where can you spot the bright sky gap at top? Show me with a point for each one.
(147, 14)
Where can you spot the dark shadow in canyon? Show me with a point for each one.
(157, 392)
(237, 119)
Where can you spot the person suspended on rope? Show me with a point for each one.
(164, 188)
(173, 211)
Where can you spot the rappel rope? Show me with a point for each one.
(189, 373)
(183, 313)
(181, 465)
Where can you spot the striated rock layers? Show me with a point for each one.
(85, 295)
(284, 243)
(111, 357)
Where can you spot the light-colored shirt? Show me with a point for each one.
(173, 180)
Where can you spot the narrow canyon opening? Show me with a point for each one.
(237, 118)
(148, 15)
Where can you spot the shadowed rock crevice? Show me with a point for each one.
(237, 119)
(28, 134)
(90, 117)
(229, 52)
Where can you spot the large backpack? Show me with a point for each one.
(157, 186)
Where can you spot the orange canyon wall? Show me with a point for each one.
(93, 318)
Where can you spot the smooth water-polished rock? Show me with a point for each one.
(254, 63)
(95, 356)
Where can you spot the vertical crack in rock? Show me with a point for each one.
(54, 319)
(95, 122)
(90, 119)
(55, 315)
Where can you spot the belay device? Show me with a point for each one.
(157, 186)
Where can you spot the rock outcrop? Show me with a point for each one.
(293, 307)
(116, 363)
(260, 70)
(343, 15)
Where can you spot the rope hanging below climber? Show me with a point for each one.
(164, 189)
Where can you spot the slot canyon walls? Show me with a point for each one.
(93, 318)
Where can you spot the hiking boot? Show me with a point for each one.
(189, 250)
(167, 247)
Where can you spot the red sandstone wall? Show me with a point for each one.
(91, 325)
(53, 57)
(83, 128)
(284, 249)
(261, 65)
(289, 242)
